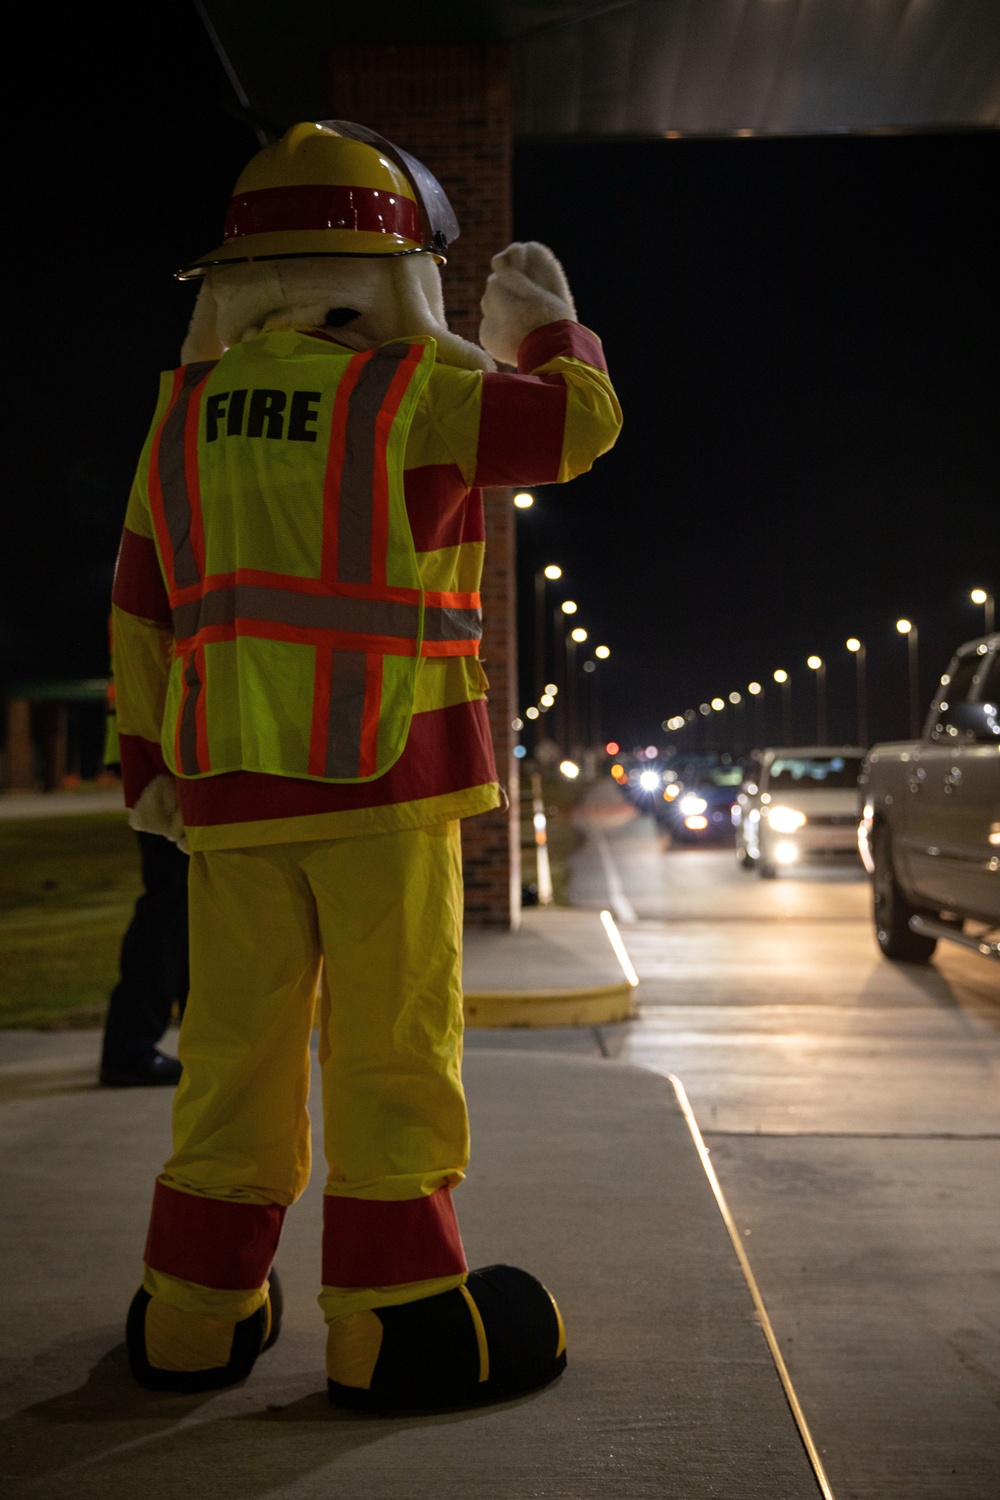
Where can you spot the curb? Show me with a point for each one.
(582, 1007)
(587, 1005)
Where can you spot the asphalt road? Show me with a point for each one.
(851, 1109)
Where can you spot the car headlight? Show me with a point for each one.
(785, 819)
(692, 805)
(650, 781)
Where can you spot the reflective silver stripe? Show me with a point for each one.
(188, 736)
(247, 601)
(173, 477)
(347, 706)
(444, 624)
(354, 530)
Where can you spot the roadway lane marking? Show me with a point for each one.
(617, 899)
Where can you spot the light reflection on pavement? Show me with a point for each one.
(851, 1108)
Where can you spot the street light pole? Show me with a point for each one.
(575, 638)
(980, 596)
(567, 607)
(907, 628)
(818, 665)
(781, 676)
(542, 576)
(756, 691)
(861, 665)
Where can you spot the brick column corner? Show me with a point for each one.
(451, 107)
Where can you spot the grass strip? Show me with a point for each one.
(67, 889)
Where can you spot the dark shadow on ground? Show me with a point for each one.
(111, 1440)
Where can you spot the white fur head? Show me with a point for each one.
(361, 300)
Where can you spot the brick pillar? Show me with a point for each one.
(451, 107)
(20, 775)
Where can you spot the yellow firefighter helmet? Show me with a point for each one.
(330, 187)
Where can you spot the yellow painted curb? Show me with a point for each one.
(582, 1007)
(590, 1005)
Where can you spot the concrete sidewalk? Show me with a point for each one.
(583, 1170)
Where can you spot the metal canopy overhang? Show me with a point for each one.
(648, 68)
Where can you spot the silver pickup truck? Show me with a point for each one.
(930, 822)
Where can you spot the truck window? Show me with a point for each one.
(952, 694)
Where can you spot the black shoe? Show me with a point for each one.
(159, 1069)
(253, 1337)
(442, 1352)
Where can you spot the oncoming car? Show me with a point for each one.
(800, 803)
(694, 803)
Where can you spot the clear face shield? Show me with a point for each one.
(437, 214)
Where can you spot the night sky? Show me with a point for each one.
(801, 332)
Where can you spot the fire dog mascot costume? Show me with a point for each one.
(301, 705)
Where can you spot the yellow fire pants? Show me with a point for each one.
(381, 917)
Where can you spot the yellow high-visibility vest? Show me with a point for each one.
(276, 491)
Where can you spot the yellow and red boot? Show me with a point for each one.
(171, 1350)
(498, 1335)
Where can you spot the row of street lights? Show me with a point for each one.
(817, 665)
(567, 644)
(566, 658)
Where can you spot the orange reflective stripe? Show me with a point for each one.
(156, 503)
(175, 494)
(384, 418)
(452, 600)
(449, 648)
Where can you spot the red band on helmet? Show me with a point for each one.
(322, 207)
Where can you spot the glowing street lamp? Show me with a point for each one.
(980, 596)
(569, 606)
(579, 634)
(602, 652)
(907, 628)
(523, 500)
(718, 704)
(860, 660)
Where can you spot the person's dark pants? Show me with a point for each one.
(154, 959)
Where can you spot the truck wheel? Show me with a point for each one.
(892, 911)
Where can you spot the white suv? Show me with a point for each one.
(798, 803)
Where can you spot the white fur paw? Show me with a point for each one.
(158, 811)
(526, 290)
